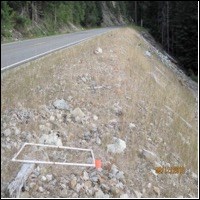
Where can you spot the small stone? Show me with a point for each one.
(94, 179)
(24, 195)
(85, 176)
(114, 169)
(73, 183)
(100, 194)
(59, 116)
(77, 112)
(147, 53)
(69, 98)
(63, 186)
(88, 184)
(41, 189)
(156, 190)
(105, 187)
(83, 79)
(79, 187)
(43, 178)
(138, 194)
(17, 131)
(49, 177)
(93, 128)
(63, 193)
(98, 51)
(150, 156)
(42, 127)
(194, 176)
(149, 185)
(143, 190)
(95, 117)
(32, 185)
(118, 147)
(98, 141)
(89, 160)
(132, 125)
(117, 109)
(7, 132)
(61, 104)
(120, 175)
(52, 118)
(124, 196)
(52, 138)
(115, 191)
(120, 185)
(87, 135)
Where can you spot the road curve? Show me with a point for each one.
(16, 53)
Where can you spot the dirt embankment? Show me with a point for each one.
(121, 99)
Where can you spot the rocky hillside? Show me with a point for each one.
(116, 94)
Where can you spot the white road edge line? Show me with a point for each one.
(47, 52)
(53, 36)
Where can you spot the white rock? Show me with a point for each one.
(42, 127)
(41, 189)
(7, 132)
(118, 147)
(17, 131)
(147, 53)
(98, 141)
(138, 194)
(194, 176)
(124, 196)
(95, 117)
(120, 175)
(61, 104)
(63, 185)
(156, 190)
(132, 125)
(43, 178)
(83, 79)
(120, 185)
(149, 185)
(117, 109)
(114, 169)
(77, 112)
(52, 118)
(24, 195)
(98, 51)
(79, 187)
(51, 139)
(32, 185)
(69, 98)
(93, 127)
(100, 194)
(49, 177)
(85, 176)
(152, 157)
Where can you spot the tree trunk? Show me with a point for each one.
(135, 12)
(167, 16)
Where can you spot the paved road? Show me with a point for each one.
(16, 53)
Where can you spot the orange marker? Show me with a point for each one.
(98, 164)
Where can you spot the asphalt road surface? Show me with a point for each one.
(16, 53)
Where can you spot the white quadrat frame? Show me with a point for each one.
(54, 163)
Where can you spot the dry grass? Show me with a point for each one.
(143, 86)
